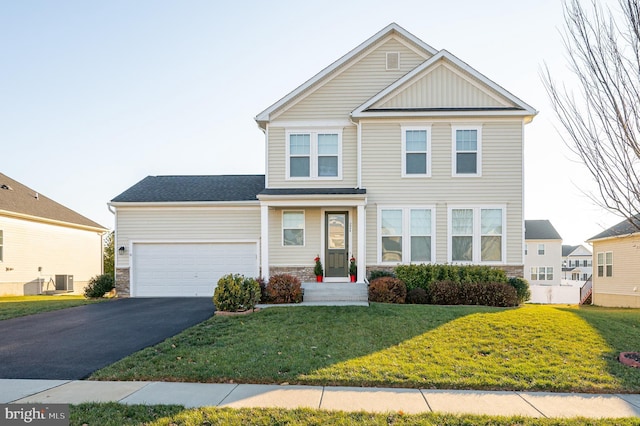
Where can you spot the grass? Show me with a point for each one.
(540, 348)
(108, 414)
(17, 306)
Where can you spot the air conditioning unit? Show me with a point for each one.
(64, 282)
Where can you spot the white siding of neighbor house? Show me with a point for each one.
(443, 86)
(276, 168)
(283, 256)
(501, 182)
(180, 224)
(552, 257)
(56, 250)
(623, 288)
(352, 86)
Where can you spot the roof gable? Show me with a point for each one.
(540, 230)
(220, 188)
(18, 199)
(443, 83)
(392, 29)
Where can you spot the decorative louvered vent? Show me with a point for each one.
(393, 60)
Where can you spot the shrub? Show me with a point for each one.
(423, 275)
(445, 293)
(236, 293)
(380, 273)
(99, 285)
(284, 288)
(522, 288)
(264, 296)
(387, 290)
(487, 294)
(417, 296)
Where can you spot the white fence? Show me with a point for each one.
(555, 294)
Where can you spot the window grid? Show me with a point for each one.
(467, 142)
(293, 228)
(416, 155)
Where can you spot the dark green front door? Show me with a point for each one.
(337, 244)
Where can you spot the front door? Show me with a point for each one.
(337, 244)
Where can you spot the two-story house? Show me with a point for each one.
(396, 153)
(542, 253)
(576, 264)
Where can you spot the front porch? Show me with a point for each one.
(331, 294)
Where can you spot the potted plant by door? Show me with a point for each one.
(318, 269)
(353, 269)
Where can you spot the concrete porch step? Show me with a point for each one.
(335, 292)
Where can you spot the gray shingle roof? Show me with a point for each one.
(540, 230)
(193, 188)
(18, 198)
(567, 250)
(313, 191)
(626, 227)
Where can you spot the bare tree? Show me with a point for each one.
(602, 122)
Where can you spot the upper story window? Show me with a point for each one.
(416, 156)
(476, 235)
(541, 249)
(406, 235)
(314, 154)
(467, 158)
(293, 228)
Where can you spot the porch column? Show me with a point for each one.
(362, 251)
(264, 240)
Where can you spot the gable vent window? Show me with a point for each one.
(393, 61)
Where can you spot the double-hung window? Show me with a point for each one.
(406, 235)
(542, 273)
(314, 154)
(293, 228)
(467, 152)
(605, 264)
(541, 249)
(477, 234)
(416, 155)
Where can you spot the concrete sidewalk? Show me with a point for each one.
(531, 404)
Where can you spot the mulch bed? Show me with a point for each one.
(632, 359)
(227, 313)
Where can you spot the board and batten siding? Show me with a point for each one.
(623, 288)
(277, 162)
(168, 224)
(351, 87)
(501, 182)
(35, 252)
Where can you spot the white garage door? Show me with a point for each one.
(188, 270)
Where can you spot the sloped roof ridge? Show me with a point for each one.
(264, 115)
(22, 200)
(444, 54)
(540, 230)
(626, 227)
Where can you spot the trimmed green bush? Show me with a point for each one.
(99, 285)
(487, 294)
(236, 293)
(423, 275)
(284, 288)
(380, 273)
(387, 290)
(522, 288)
(417, 296)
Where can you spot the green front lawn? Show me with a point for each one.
(541, 348)
(17, 306)
(112, 414)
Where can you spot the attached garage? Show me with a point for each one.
(188, 269)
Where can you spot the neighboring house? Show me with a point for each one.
(396, 153)
(576, 263)
(542, 253)
(44, 246)
(616, 251)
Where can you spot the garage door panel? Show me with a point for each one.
(175, 270)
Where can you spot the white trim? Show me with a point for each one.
(359, 154)
(383, 33)
(311, 124)
(264, 241)
(319, 202)
(304, 218)
(427, 129)
(477, 235)
(406, 232)
(361, 260)
(313, 153)
(441, 113)
(443, 54)
(454, 151)
(266, 155)
(323, 239)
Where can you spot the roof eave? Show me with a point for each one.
(40, 219)
(246, 203)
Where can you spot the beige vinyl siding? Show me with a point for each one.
(500, 184)
(443, 87)
(277, 167)
(184, 224)
(354, 85)
(623, 288)
(56, 250)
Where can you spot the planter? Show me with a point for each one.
(353, 278)
(319, 278)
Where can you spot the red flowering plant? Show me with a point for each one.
(353, 269)
(317, 269)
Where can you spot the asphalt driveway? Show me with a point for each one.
(73, 343)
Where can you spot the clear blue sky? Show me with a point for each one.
(94, 96)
